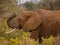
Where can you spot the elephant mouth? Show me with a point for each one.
(30, 31)
(20, 27)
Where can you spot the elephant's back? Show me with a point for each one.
(51, 23)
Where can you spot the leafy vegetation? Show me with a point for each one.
(30, 5)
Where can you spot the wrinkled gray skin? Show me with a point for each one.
(41, 24)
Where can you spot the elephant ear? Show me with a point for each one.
(32, 22)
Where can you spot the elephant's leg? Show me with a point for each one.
(35, 34)
(40, 39)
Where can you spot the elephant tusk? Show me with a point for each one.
(10, 31)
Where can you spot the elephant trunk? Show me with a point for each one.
(9, 20)
(8, 23)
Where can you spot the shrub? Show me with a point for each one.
(29, 5)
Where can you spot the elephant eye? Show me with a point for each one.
(30, 31)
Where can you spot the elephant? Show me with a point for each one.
(42, 23)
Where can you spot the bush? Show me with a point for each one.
(30, 5)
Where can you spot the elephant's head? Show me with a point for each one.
(28, 20)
